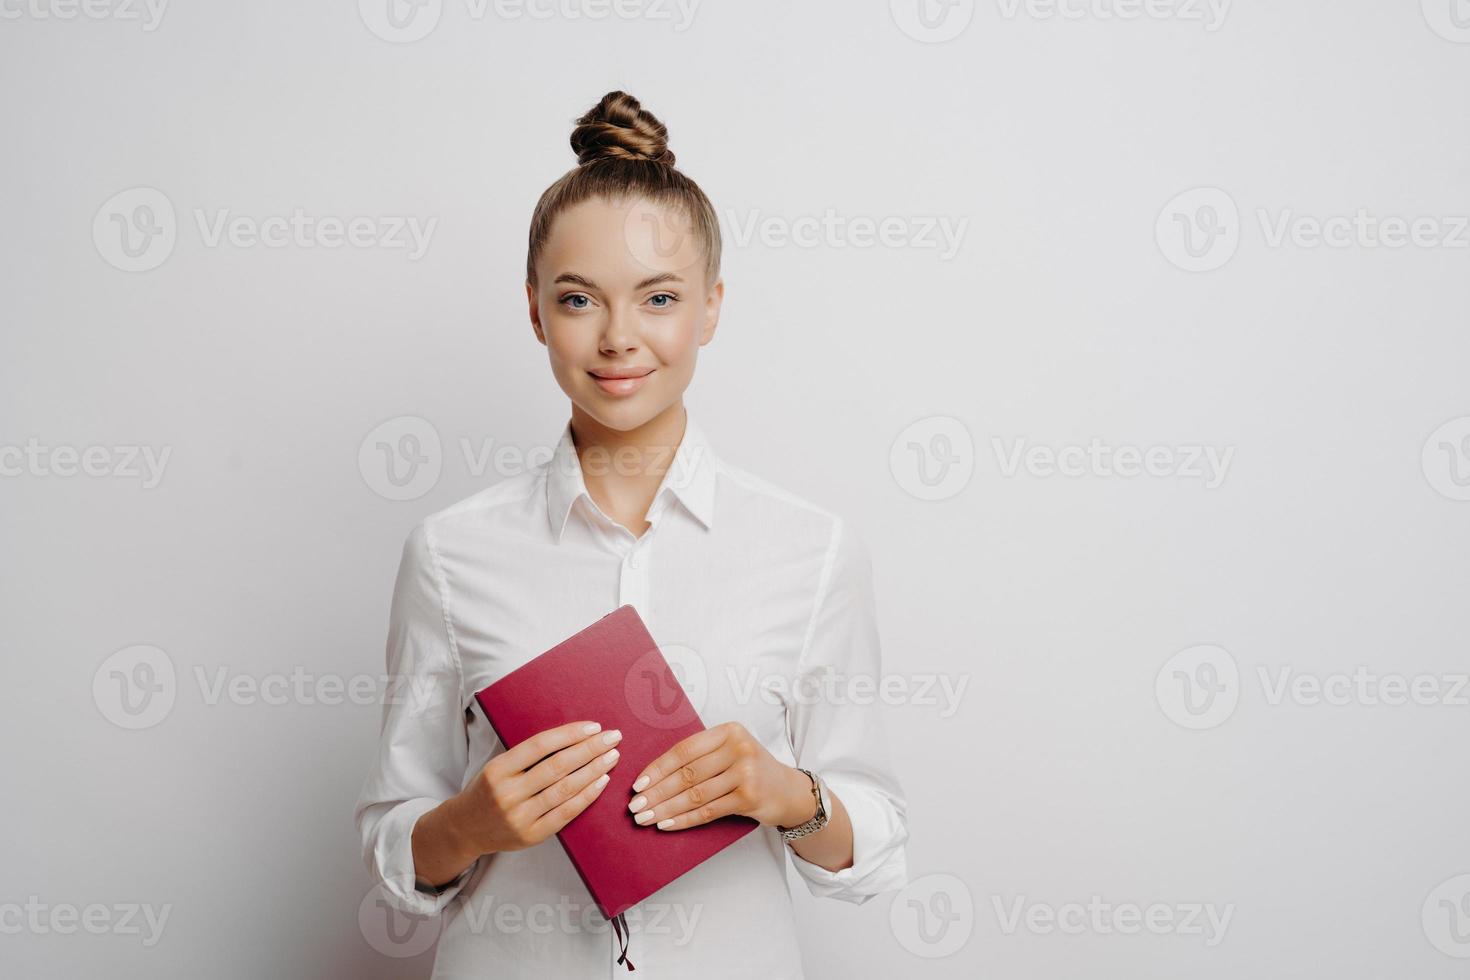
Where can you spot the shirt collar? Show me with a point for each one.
(690, 478)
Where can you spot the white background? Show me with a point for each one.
(1062, 139)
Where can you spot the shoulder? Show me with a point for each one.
(792, 516)
(500, 506)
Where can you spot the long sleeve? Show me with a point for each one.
(423, 746)
(835, 722)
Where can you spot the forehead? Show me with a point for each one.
(620, 243)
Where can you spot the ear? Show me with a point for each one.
(535, 311)
(713, 300)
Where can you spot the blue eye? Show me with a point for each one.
(672, 299)
(567, 301)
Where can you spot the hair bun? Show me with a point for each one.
(617, 128)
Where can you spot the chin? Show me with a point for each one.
(625, 414)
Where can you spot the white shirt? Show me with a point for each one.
(745, 588)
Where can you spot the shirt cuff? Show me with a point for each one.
(393, 856)
(878, 837)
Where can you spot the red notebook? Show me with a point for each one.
(612, 672)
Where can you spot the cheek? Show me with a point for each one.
(676, 339)
(563, 339)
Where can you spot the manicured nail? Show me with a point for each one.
(638, 803)
(641, 784)
(644, 817)
(610, 756)
(591, 728)
(666, 823)
(610, 738)
(600, 781)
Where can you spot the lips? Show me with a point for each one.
(621, 373)
(622, 381)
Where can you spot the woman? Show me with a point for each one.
(764, 599)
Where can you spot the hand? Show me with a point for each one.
(719, 771)
(517, 801)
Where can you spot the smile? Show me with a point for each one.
(620, 382)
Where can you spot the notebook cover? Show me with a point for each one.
(612, 672)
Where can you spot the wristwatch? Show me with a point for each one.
(816, 823)
(458, 879)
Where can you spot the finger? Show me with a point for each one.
(531, 751)
(714, 810)
(681, 779)
(686, 751)
(691, 799)
(586, 782)
(539, 746)
(569, 759)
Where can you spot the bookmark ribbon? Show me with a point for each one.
(620, 926)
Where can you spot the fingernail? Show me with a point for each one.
(591, 728)
(644, 817)
(641, 784)
(601, 781)
(638, 803)
(610, 737)
(610, 756)
(666, 823)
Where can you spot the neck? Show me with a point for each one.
(622, 469)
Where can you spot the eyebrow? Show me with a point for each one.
(576, 280)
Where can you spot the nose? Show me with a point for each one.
(618, 335)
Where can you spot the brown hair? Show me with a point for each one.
(623, 153)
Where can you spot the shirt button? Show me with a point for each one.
(635, 561)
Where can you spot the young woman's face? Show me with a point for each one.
(623, 308)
